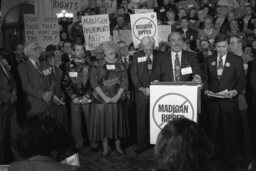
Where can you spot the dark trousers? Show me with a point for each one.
(5, 133)
(142, 111)
(223, 132)
(77, 110)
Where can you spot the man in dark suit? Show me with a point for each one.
(7, 109)
(224, 73)
(189, 35)
(140, 72)
(37, 81)
(177, 65)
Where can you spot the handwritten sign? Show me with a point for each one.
(44, 29)
(68, 5)
(110, 5)
(163, 32)
(144, 24)
(96, 30)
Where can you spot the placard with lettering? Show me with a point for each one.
(144, 24)
(41, 28)
(68, 5)
(110, 5)
(96, 30)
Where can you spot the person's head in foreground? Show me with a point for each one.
(43, 136)
(182, 145)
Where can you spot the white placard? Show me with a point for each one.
(171, 101)
(110, 5)
(72, 160)
(41, 28)
(71, 6)
(96, 30)
(163, 32)
(144, 24)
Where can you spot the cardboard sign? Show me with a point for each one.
(71, 6)
(171, 101)
(96, 30)
(110, 5)
(122, 35)
(163, 32)
(144, 24)
(41, 28)
(72, 160)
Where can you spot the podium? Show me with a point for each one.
(169, 100)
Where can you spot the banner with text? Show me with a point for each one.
(110, 5)
(96, 30)
(169, 101)
(68, 5)
(44, 29)
(144, 24)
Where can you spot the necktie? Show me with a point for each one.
(38, 66)
(149, 64)
(220, 67)
(177, 67)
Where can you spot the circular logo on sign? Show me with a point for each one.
(171, 106)
(144, 27)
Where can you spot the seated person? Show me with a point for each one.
(182, 145)
(39, 141)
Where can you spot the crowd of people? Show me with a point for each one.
(102, 97)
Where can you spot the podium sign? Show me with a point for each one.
(169, 101)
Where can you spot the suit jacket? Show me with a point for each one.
(8, 89)
(233, 78)
(163, 71)
(252, 85)
(139, 72)
(35, 84)
(190, 36)
(40, 163)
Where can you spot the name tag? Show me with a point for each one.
(72, 74)
(142, 59)
(111, 67)
(150, 66)
(245, 66)
(190, 6)
(47, 72)
(219, 72)
(187, 70)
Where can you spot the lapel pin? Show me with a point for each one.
(227, 64)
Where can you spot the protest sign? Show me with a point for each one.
(68, 5)
(96, 30)
(144, 24)
(41, 28)
(72, 160)
(172, 100)
(110, 5)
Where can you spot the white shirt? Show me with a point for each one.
(33, 62)
(173, 54)
(125, 58)
(223, 59)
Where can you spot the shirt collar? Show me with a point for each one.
(174, 53)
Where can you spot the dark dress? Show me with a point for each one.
(109, 120)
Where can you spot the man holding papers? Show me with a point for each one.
(177, 64)
(224, 80)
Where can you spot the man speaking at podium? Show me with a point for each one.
(177, 64)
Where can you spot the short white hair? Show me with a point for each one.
(147, 41)
(29, 46)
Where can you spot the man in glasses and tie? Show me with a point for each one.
(177, 65)
(224, 73)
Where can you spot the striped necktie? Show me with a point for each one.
(177, 67)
